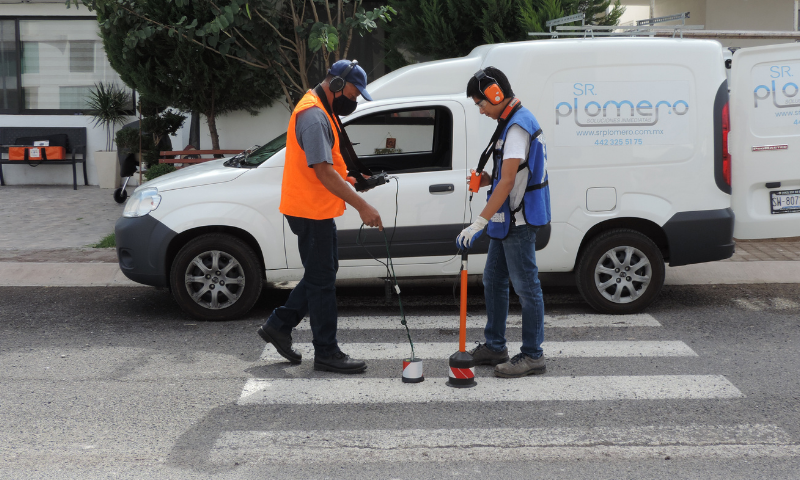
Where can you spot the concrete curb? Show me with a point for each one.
(28, 274)
(734, 273)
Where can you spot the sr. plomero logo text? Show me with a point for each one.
(643, 113)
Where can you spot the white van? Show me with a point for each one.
(637, 133)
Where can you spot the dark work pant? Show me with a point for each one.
(316, 293)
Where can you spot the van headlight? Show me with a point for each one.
(142, 202)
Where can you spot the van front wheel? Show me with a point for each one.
(216, 277)
(620, 272)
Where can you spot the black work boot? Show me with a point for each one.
(483, 355)
(339, 362)
(281, 341)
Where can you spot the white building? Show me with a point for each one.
(51, 57)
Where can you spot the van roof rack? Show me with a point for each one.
(649, 28)
(643, 28)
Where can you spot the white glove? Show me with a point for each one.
(470, 234)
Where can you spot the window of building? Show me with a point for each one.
(9, 89)
(30, 57)
(81, 56)
(50, 65)
(404, 141)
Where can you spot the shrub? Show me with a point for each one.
(158, 169)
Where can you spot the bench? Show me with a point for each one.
(76, 148)
(193, 156)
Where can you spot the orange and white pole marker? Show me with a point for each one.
(462, 365)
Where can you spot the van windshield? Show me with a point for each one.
(264, 153)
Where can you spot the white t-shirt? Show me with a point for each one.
(517, 145)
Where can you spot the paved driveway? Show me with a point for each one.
(55, 217)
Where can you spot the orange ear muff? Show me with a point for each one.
(493, 94)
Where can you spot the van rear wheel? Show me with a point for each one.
(620, 272)
(216, 277)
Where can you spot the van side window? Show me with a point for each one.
(404, 141)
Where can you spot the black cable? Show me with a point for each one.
(362, 243)
(389, 264)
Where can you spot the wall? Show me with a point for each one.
(50, 9)
(239, 129)
(697, 9)
(750, 15)
(734, 15)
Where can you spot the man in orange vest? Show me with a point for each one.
(314, 191)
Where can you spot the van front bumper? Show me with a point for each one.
(142, 249)
(701, 236)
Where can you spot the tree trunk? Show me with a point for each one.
(212, 129)
(194, 131)
(212, 126)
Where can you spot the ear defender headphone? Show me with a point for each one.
(492, 91)
(338, 82)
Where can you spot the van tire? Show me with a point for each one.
(597, 268)
(220, 301)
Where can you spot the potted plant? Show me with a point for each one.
(109, 105)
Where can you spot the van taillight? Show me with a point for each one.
(726, 155)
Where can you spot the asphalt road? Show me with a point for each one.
(119, 383)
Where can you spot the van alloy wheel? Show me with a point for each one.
(216, 276)
(215, 280)
(622, 274)
(621, 271)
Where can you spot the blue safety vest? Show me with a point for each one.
(535, 205)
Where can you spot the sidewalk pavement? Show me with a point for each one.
(46, 233)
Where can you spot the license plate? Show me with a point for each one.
(787, 201)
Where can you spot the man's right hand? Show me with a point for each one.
(486, 178)
(370, 216)
(339, 187)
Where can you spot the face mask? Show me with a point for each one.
(343, 105)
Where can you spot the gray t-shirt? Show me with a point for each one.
(314, 134)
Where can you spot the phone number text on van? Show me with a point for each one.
(616, 142)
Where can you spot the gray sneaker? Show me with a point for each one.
(519, 366)
(483, 355)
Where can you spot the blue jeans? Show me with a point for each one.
(514, 258)
(316, 293)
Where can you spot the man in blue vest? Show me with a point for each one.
(518, 205)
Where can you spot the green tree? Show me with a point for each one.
(287, 38)
(452, 28)
(171, 71)
(596, 10)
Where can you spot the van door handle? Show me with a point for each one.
(442, 189)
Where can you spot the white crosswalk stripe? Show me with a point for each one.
(452, 322)
(298, 386)
(489, 389)
(425, 351)
(503, 444)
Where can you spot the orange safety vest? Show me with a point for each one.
(302, 194)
